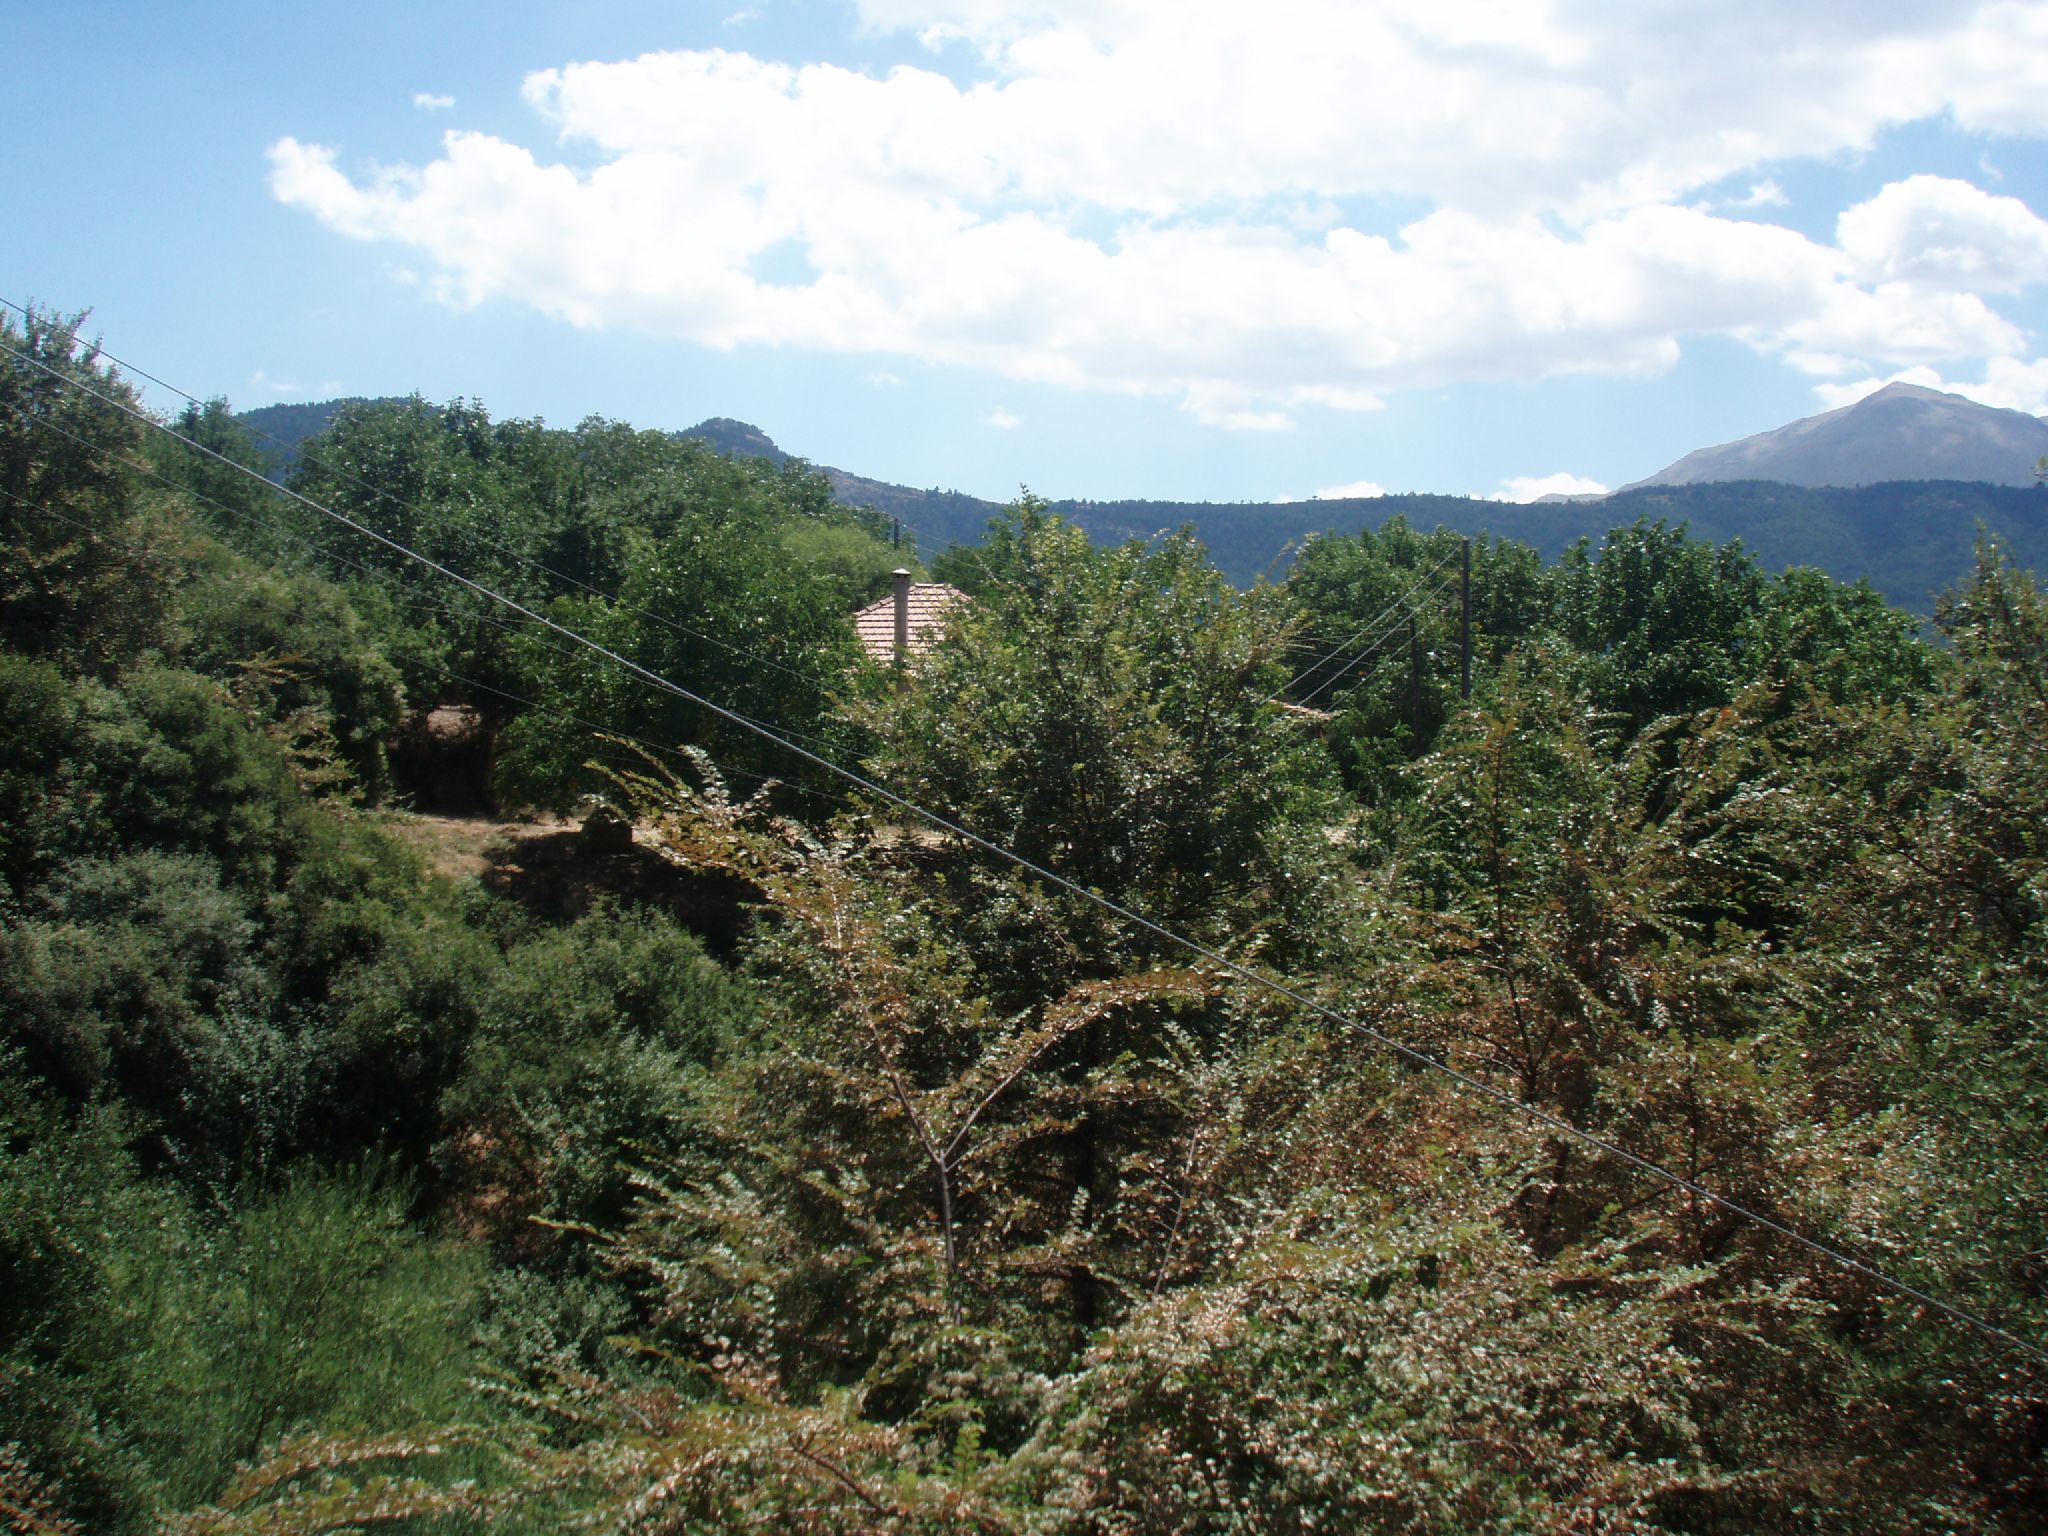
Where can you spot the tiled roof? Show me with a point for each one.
(929, 602)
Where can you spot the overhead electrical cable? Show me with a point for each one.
(1393, 633)
(369, 572)
(1413, 1055)
(1356, 662)
(470, 535)
(1392, 611)
(603, 732)
(1370, 624)
(365, 531)
(1231, 757)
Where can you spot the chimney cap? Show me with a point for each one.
(901, 570)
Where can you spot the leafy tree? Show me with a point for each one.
(124, 965)
(1843, 640)
(242, 512)
(1663, 618)
(1359, 596)
(165, 760)
(894, 1186)
(1105, 713)
(745, 635)
(171, 762)
(1917, 831)
(144, 1351)
(88, 566)
(853, 564)
(39, 727)
(588, 1043)
(973, 568)
(301, 659)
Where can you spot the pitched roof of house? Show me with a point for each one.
(929, 603)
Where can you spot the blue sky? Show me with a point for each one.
(1103, 248)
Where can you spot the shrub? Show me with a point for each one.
(586, 1048)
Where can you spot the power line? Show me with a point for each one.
(746, 722)
(370, 573)
(1411, 1054)
(1372, 623)
(1359, 661)
(1391, 611)
(469, 535)
(602, 732)
(1230, 758)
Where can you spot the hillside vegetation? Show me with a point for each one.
(851, 1178)
(1912, 540)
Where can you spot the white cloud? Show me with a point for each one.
(1002, 420)
(2012, 384)
(263, 383)
(428, 101)
(1946, 234)
(1363, 490)
(882, 378)
(1220, 403)
(1145, 198)
(1900, 322)
(1531, 487)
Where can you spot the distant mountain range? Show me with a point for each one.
(1902, 432)
(1891, 489)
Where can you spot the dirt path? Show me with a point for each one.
(469, 847)
(558, 873)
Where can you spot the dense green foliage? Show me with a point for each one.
(1910, 540)
(1656, 624)
(845, 1178)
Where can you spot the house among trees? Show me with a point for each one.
(908, 621)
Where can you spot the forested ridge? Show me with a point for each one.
(1910, 539)
(854, 1179)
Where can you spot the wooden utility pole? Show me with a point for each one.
(1465, 622)
(1414, 679)
(901, 578)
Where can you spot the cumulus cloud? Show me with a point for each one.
(1002, 420)
(1944, 233)
(1532, 487)
(1361, 490)
(428, 101)
(1119, 197)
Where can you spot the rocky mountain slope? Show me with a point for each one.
(1902, 432)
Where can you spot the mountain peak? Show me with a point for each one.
(739, 439)
(1900, 432)
(1899, 389)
